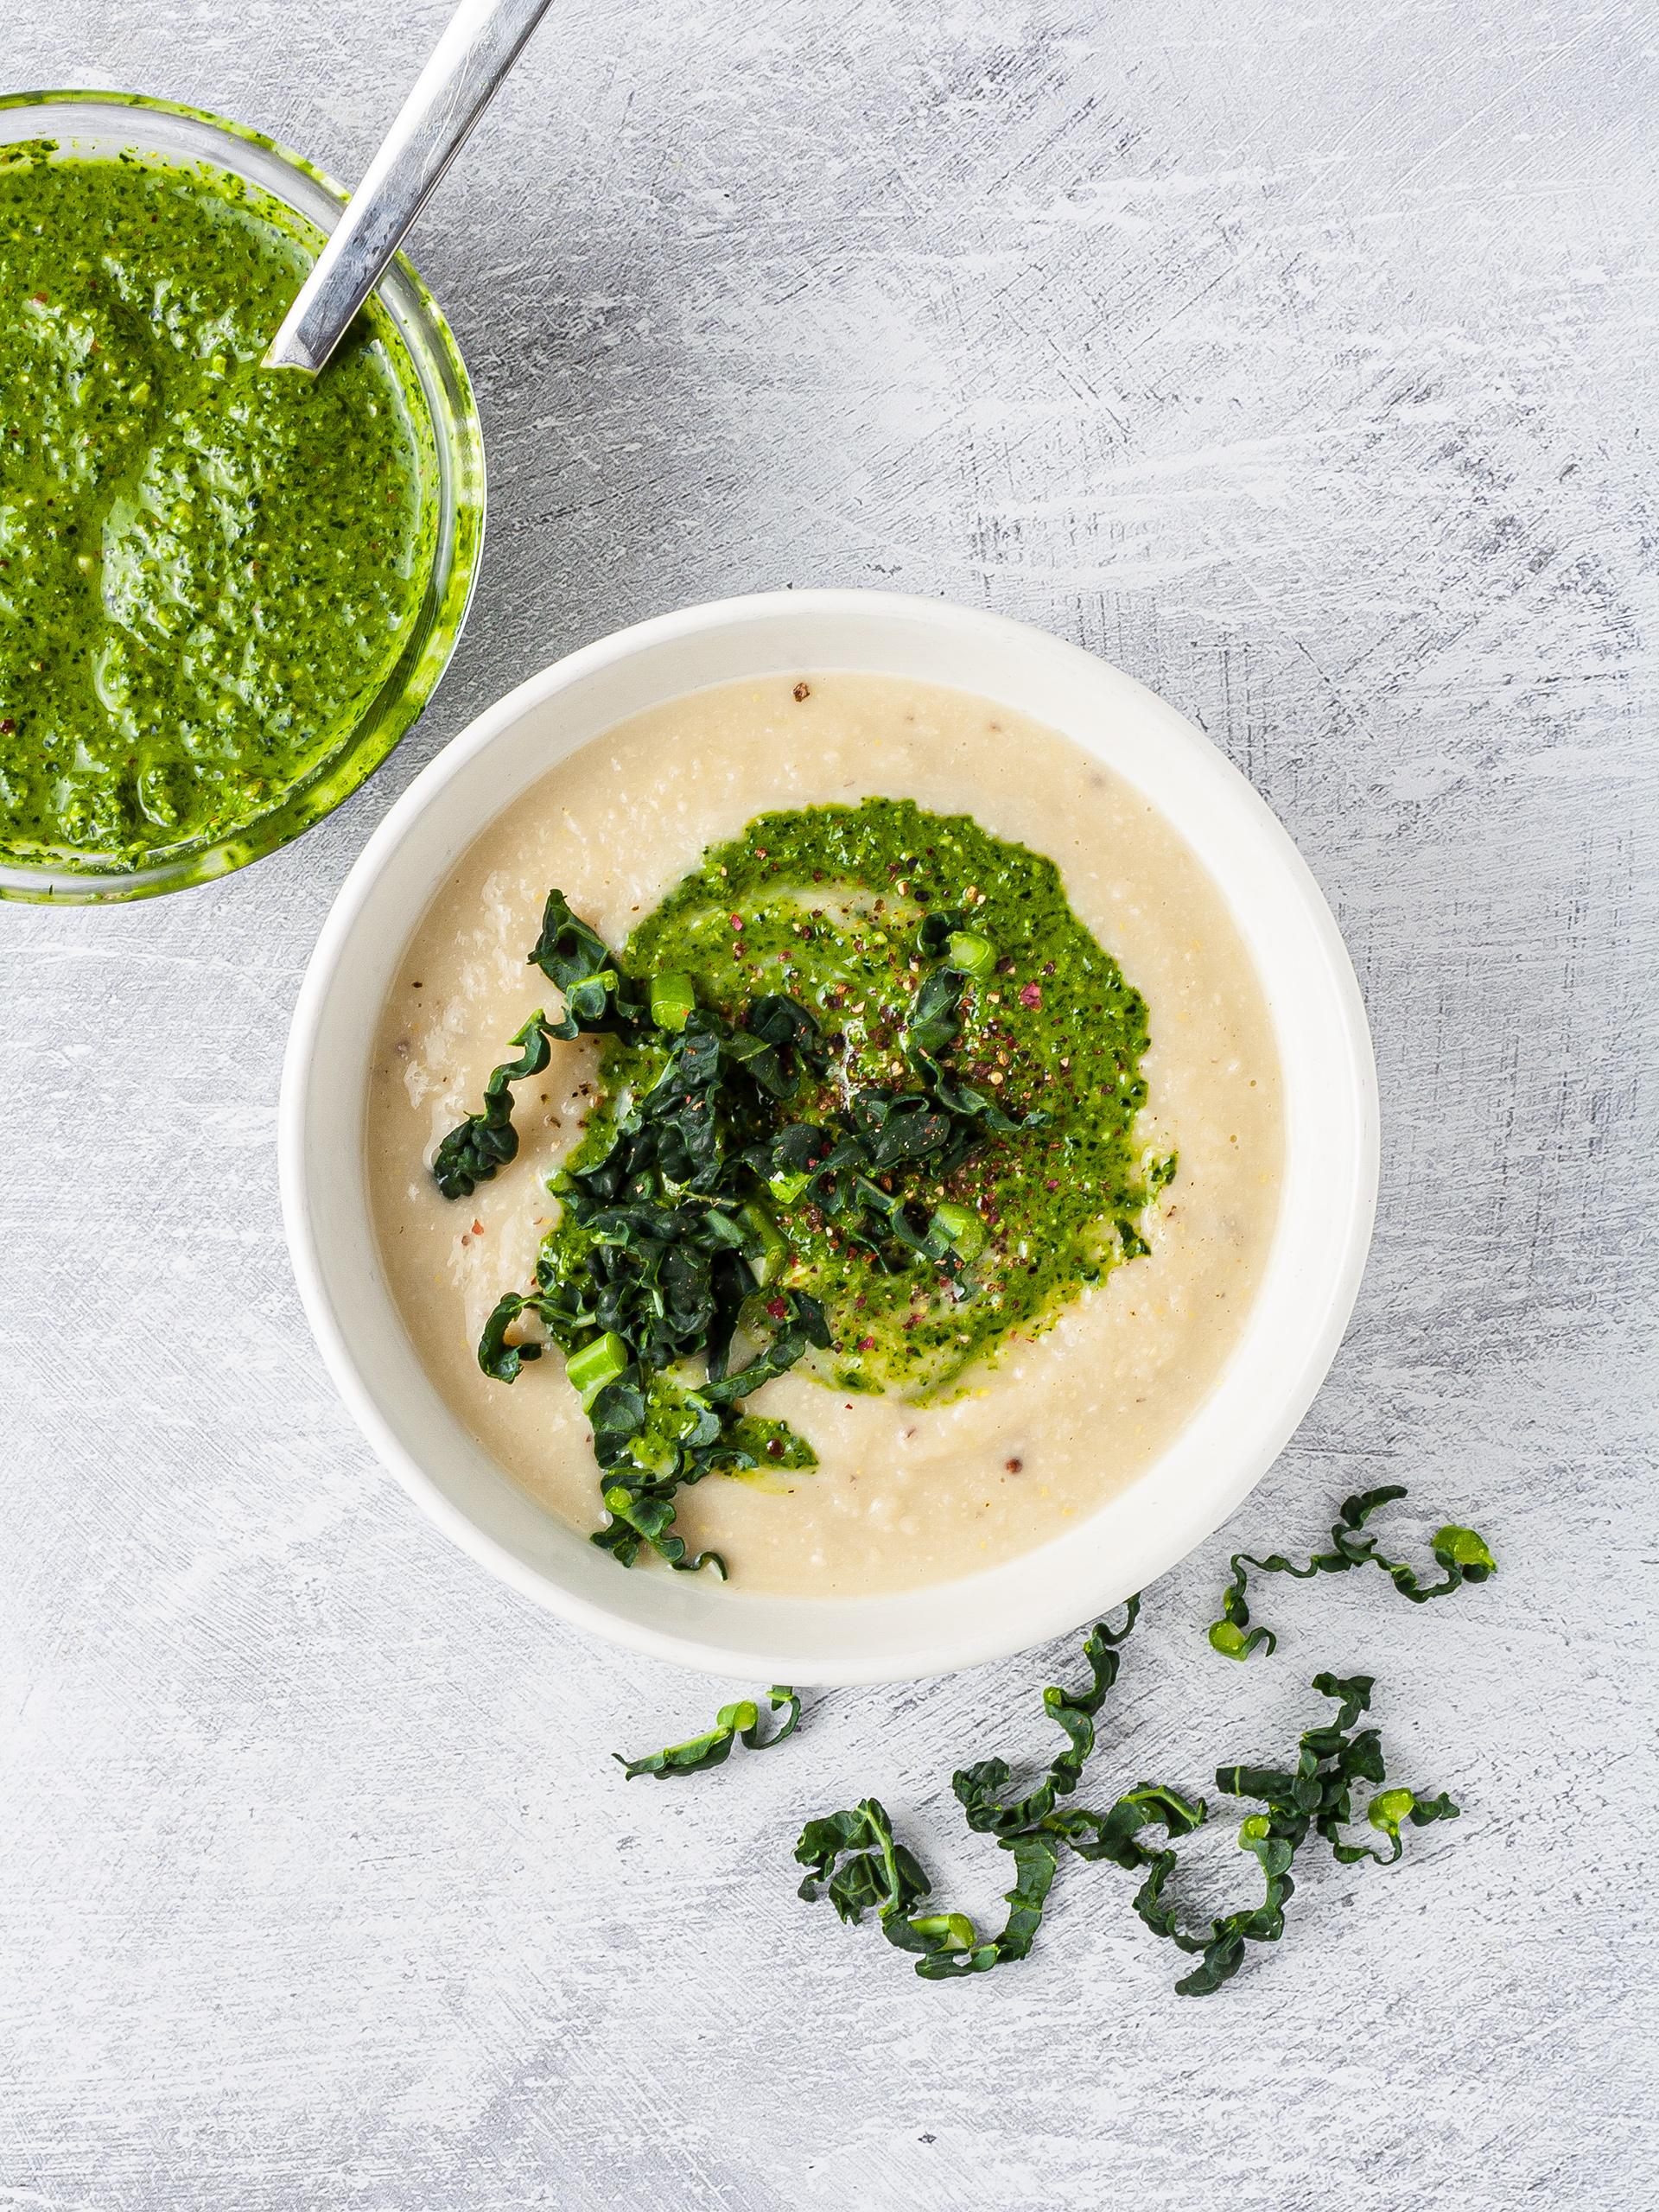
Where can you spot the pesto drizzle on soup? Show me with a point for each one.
(208, 568)
(825, 904)
(866, 1096)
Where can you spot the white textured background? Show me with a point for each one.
(1300, 359)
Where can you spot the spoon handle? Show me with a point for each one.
(483, 40)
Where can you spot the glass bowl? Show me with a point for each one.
(90, 125)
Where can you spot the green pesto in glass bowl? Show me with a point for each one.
(225, 591)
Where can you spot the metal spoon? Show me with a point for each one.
(484, 39)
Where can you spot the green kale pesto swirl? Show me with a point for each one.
(867, 1099)
(825, 904)
(208, 568)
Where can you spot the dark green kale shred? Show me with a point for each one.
(677, 1237)
(476, 1148)
(739, 1723)
(1316, 1794)
(599, 1000)
(1460, 1554)
(853, 1859)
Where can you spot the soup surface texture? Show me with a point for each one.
(207, 568)
(955, 1420)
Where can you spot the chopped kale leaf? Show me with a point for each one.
(1460, 1554)
(1316, 1794)
(739, 1724)
(474, 1148)
(875, 1871)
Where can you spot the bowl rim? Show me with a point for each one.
(983, 1634)
(407, 689)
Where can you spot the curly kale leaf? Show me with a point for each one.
(498, 1359)
(1114, 1836)
(1221, 1951)
(1025, 1828)
(1072, 1711)
(649, 1441)
(1331, 1759)
(668, 1242)
(739, 1724)
(670, 1280)
(800, 1324)
(832, 1168)
(476, 1148)
(599, 1000)
(1036, 1862)
(854, 1859)
(931, 1029)
(778, 1033)
(1317, 1794)
(639, 1478)
(874, 1870)
(1461, 1554)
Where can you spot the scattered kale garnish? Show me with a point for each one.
(670, 1243)
(1460, 1554)
(474, 1148)
(874, 1870)
(843, 1167)
(599, 1000)
(739, 1723)
(855, 1859)
(1317, 1794)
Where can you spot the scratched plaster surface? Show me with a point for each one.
(1300, 359)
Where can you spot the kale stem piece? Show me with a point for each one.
(974, 955)
(739, 1723)
(1461, 1554)
(672, 998)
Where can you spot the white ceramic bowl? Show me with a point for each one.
(1313, 1271)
